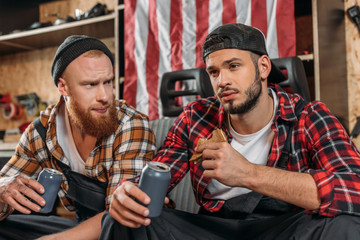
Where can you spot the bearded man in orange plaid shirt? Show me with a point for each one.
(93, 139)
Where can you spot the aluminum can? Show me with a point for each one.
(51, 180)
(154, 181)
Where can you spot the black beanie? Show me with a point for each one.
(73, 47)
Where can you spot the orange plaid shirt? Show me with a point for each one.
(121, 155)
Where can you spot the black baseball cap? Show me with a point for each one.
(240, 36)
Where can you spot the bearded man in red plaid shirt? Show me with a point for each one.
(244, 187)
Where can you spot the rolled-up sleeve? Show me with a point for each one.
(23, 162)
(135, 146)
(337, 163)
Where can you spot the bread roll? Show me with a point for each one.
(218, 135)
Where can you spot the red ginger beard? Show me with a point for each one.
(98, 127)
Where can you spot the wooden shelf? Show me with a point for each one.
(307, 57)
(99, 27)
(120, 7)
(7, 150)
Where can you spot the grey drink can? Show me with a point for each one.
(154, 181)
(51, 180)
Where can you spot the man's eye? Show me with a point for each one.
(213, 73)
(232, 66)
(108, 82)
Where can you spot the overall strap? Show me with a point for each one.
(286, 151)
(88, 194)
(40, 128)
(42, 132)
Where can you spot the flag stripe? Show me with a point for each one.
(189, 34)
(258, 15)
(271, 35)
(285, 23)
(202, 26)
(163, 18)
(215, 14)
(152, 55)
(243, 12)
(189, 46)
(141, 39)
(176, 29)
(229, 12)
(129, 45)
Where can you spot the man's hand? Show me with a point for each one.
(126, 210)
(223, 163)
(16, 192)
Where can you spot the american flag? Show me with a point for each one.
(167, 35)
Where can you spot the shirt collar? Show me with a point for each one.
(286, 106)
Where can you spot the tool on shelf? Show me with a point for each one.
(354, 13)
(9, 109)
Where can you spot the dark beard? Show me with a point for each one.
(253, 93)
(97, 127)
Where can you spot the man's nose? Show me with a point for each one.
(102, 94)
(223, 79)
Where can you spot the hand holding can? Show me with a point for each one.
(51, 180)
(154, 181)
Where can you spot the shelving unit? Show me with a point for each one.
(99, 27)
(307, 57)
(26, 56)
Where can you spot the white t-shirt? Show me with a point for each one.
(254, 147)
(66, 141)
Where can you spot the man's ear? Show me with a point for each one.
(62, 87)
(264, 66)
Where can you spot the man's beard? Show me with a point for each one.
(100, 126)
(252, 94)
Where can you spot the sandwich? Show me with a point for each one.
(218, 135)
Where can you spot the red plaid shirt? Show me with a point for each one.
(320, 146)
